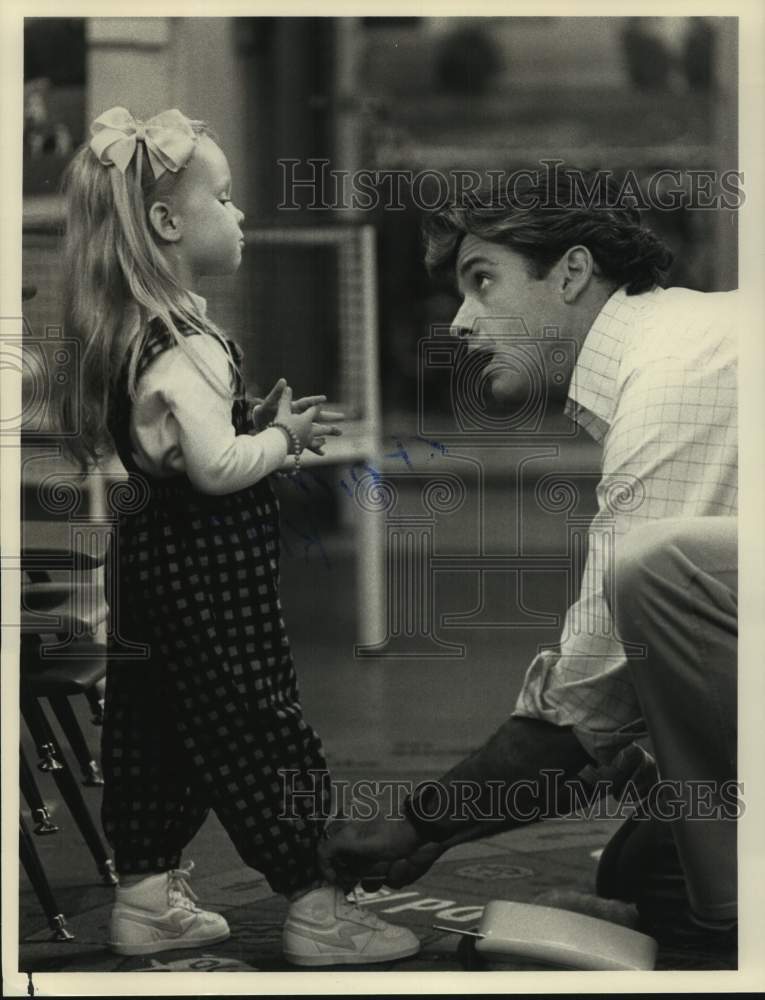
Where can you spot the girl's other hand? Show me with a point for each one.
(301, 424)
(264, 410)
(304, 418)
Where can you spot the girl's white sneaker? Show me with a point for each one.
(159, 913)
(323, 928)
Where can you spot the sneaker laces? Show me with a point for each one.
(353, 910)
(179, 892)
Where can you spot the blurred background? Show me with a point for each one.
(390, 94)
(338, 299)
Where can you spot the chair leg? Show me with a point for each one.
(54, 761)
(62, 709)
(30, 859)
(30, 791)
(95, 696)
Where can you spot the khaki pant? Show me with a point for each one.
(676, 595)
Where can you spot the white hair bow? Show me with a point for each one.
(168, 137)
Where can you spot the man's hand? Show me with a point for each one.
(403, 871)
(391, 852)
(356, 847)
(350, 858)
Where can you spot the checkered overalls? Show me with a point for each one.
(210, 718)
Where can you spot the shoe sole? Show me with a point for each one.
(153, 947)
(350, 959)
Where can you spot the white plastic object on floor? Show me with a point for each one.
(558, 938)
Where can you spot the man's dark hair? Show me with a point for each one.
(545, 217)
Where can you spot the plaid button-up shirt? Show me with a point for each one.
(655, 383)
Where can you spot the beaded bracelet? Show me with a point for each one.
(297, 448)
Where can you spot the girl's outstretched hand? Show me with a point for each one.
(304, 419)
(273, 407)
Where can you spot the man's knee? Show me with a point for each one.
(645, 554)
(667, 554)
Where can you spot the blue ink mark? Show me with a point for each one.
(437, 445)
(367, 468)
(401, 453)
(346, 487)
(310, 540)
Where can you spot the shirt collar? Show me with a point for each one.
(591, 394)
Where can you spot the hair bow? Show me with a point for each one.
(168, 137)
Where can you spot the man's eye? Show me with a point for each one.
(481, 281)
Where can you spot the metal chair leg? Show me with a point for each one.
(30, 859)
(43, 736)
(95, 696)
(30, 791)
(63, 711)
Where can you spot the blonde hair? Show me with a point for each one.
(116, 279)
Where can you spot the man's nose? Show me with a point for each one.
(464, 323)
(467, 326)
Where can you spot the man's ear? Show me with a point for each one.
(578, 269)
(164, 222)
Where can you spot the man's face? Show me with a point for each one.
(503, 309)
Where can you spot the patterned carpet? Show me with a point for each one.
(518, 866)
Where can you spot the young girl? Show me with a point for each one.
(211, 716)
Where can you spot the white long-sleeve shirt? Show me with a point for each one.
(656, 383)
(181, 422)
